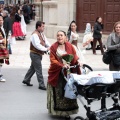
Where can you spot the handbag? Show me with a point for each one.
(107, 57)
(116, 59)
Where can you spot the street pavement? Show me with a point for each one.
(20, 102)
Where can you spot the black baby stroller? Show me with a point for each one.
(96, 92)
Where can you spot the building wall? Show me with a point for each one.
(57, 14)
(16, 1)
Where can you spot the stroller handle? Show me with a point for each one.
(87, 66)
(84, 66)
(68, 69)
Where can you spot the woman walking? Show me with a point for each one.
(17, 31)
(97, 35)
(113, 44)
(57, 104)
(73, 38)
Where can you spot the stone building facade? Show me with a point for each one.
(57, 14)
(17, 1)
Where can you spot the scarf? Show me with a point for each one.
(57, 65)
(88, 29)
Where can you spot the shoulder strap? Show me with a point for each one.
(42, 42)
(2, 32)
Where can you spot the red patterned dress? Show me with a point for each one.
(17, 31)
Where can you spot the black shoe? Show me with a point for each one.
(16, 38)
(42, 88)
(19, 38)
(28, 84)
(67, 118)
(88, 48)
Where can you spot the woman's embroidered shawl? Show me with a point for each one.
(56, 63)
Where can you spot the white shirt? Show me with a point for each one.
(36, 42)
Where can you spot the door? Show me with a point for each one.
(111, 14)
(89, 10)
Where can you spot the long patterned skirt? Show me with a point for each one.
(57, 104)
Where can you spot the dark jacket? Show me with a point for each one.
(113, 44)
(97, 28)
(17, 18)
(7, 25)
(25, 10)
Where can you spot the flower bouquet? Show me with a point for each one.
(67, 58)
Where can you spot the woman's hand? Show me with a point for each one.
(48, 48)
(80, 64)
(73, 36)
(67, 66)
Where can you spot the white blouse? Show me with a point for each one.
(60, 52)
(76, 36)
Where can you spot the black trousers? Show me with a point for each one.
(94, 45)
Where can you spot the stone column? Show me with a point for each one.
(50, 17)
(38, 10)
(57, 14)
(66, 13)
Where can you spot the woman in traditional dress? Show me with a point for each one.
(57, 104)
(17, 31)
(73, 38)
(23, 24)
(87, 39)
(4, 56)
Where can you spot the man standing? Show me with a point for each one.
(38, 46)
(7, 24)
(26, 15)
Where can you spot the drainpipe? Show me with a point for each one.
(41, 10)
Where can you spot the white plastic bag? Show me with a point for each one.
(12, 40)
(70, 89)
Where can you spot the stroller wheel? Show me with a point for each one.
(79, 118)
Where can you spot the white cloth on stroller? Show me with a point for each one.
(93, 77)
